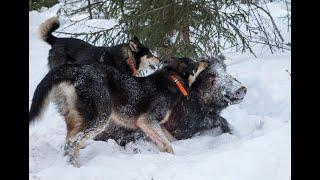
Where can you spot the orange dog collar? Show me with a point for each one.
(179, 85)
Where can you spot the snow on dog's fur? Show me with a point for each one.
(91, 96)
(76, 51)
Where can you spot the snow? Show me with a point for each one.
(260, 148)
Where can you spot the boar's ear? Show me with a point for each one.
(221, 57)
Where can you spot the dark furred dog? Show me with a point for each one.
(92, 96)
(213, 91)
(129, 58)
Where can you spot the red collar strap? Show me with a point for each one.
(179, 85)
(132, 66)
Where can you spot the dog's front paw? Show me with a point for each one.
(71, 152)
(168, 148)
(74, 161)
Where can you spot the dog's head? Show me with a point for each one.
(187, 68)
(143, 58)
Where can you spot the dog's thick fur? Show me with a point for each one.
(76, 51)
(92, 96)
(192, 115)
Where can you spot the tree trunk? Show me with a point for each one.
(185, 26)
(245, 1)
(89, 9)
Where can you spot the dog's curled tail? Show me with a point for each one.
(41, 97)
(46, 29)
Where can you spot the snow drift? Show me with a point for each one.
(260, 148)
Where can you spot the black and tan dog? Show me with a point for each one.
(130, 58)
(91, 96)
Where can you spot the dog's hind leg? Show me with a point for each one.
(79, 132)
(73, 145)
(75, 126)
(153, 131)
(75, 141)
(65, 98)
(79, 127)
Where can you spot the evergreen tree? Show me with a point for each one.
(185, 27)
(37, 4)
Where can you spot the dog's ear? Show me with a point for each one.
(134, 44)
(202, 65)
(136, 39)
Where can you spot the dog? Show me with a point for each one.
(92, 96)
(130, 58)
(213, 90)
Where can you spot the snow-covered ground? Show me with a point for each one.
(260, 148)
